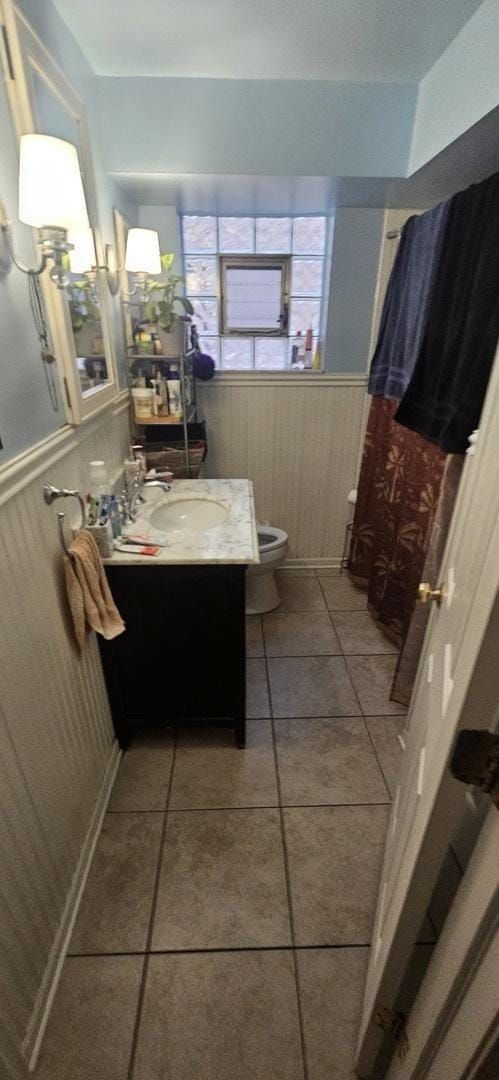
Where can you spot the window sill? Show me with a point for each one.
(286, 378)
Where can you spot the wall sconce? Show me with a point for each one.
(51, 199)
(83, 259)
(142, 258)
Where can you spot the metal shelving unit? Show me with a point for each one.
(187, 391)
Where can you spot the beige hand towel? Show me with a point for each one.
(89, 595)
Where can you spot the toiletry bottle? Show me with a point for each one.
(174, 393)
(300, 347)
(308, 348)
(156, 400)
(99, 479)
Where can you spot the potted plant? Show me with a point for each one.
(161, 311)
(83, 303)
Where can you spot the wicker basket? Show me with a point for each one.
(159, 457)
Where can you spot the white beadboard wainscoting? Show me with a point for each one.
(298, 437)
(58, 755)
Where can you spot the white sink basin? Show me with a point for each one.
(188, 515)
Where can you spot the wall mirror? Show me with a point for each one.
(80, 316)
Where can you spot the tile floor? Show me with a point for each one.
(225, 925)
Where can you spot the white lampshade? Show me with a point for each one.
(82, 258)
(50, 186)
(142, 252)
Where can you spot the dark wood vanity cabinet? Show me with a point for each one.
(182, 657)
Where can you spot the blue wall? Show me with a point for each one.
(460, 88)
(267, 127)
(356, 247)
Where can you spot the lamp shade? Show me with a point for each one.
(142, 252)
(82, 258)
(50, 186)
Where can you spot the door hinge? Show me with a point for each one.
(475, 760)
(394, 1023)
(8, 54)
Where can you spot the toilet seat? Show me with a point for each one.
(270, 539)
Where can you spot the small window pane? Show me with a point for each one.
(273, 235)
(205, 316)
(271, 353)
(309, 235)
(237, 354)
(236, 235)
(211, 346)
(306, 277)
(304, 313)
(253, 298)
(201, 275)
(200, 234)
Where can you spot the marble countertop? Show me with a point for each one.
(233, 542)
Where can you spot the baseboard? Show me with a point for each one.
(46, 994)
(313, 564)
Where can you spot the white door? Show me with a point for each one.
(446, 698)
(454, 1023)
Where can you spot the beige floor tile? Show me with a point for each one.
(339, 592)
(90, 1030)
(254, 636)
(143, 775)
(116, 906)
(311, 686)
(300, 633)
(327, 762)
(384, 732)
(372, 678)
(358, 633)
(222, 882)
(331, 991)
(334, 856)
(300, 593)
(296, 571)
(220, 1016)
(210, 771)
(257, 691)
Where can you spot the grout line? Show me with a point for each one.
(230, 949)
(288, 882)
(378, 762)
(145, 969)
(264, 806)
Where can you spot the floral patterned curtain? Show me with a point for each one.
(397, 499)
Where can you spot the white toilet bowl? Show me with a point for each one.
(261, 588)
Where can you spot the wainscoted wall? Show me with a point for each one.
(57, 749)
(298, 438)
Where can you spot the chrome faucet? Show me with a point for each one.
(130, 501)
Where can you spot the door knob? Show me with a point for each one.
(425, 593)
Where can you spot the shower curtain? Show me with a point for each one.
(438, 334)
(397, 499)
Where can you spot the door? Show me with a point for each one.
(446, 698)
(453, 1026)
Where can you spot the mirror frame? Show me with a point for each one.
(27, 53)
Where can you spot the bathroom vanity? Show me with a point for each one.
(182, 656)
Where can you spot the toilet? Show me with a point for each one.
(261, 588)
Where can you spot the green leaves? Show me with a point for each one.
(162, 296)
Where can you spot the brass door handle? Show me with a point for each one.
(425, 593)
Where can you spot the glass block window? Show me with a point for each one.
(236, 235)
(201, 275)
(302, 240)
